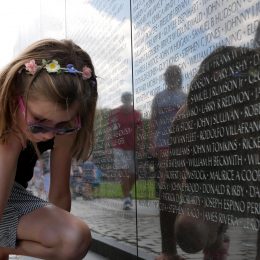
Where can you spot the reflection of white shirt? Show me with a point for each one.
(165, 106)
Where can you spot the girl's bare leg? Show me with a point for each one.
(51, 233)
(3, 256)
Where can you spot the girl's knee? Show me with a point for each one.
(3, 255)
(71, 240)
(76, 241)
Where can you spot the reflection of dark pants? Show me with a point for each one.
(167, 220)
(154, 162)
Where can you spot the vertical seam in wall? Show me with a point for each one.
(65, 18)
(132, 68)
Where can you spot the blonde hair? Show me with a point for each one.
(60, 88)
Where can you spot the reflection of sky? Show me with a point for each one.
(105, 33)
(98, 26)
(23, 22)
(188, 31)
(8, 28)
(111, 8)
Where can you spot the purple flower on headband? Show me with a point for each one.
(31, 67)
(70, 69)
(86, 72)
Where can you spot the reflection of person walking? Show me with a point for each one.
(164, 108)
(123, 122)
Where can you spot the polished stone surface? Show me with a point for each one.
(105, 216)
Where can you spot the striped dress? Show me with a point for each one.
(21, 201)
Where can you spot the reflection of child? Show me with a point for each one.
(76, 180)
(46, 171)
(91, 178)
(85, 179)
(36, 185)
(48, 99)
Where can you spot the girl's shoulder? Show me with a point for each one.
(12, 144)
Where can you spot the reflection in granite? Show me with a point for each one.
(105, 217)
(132, 44)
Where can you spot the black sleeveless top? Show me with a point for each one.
(27, 161)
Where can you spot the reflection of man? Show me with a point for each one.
(123, 122)
(164, 108)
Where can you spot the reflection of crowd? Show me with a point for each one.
(40, 182)
(36, 185)
(85, 178)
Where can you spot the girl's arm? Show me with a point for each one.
(60, 163)
(9, 154)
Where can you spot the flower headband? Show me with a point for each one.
(54, 67)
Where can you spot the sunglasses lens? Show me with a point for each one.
(35, 129)
(64, 131)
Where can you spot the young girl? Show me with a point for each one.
(48, 98)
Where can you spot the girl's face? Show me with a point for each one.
(41, 120)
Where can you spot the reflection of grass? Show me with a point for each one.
(144, 190)
(110, 190)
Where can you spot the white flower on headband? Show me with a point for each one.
(31, 67)
(53, 67)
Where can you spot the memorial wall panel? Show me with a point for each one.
(208, 178)
(103, 28)
(177, 124)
